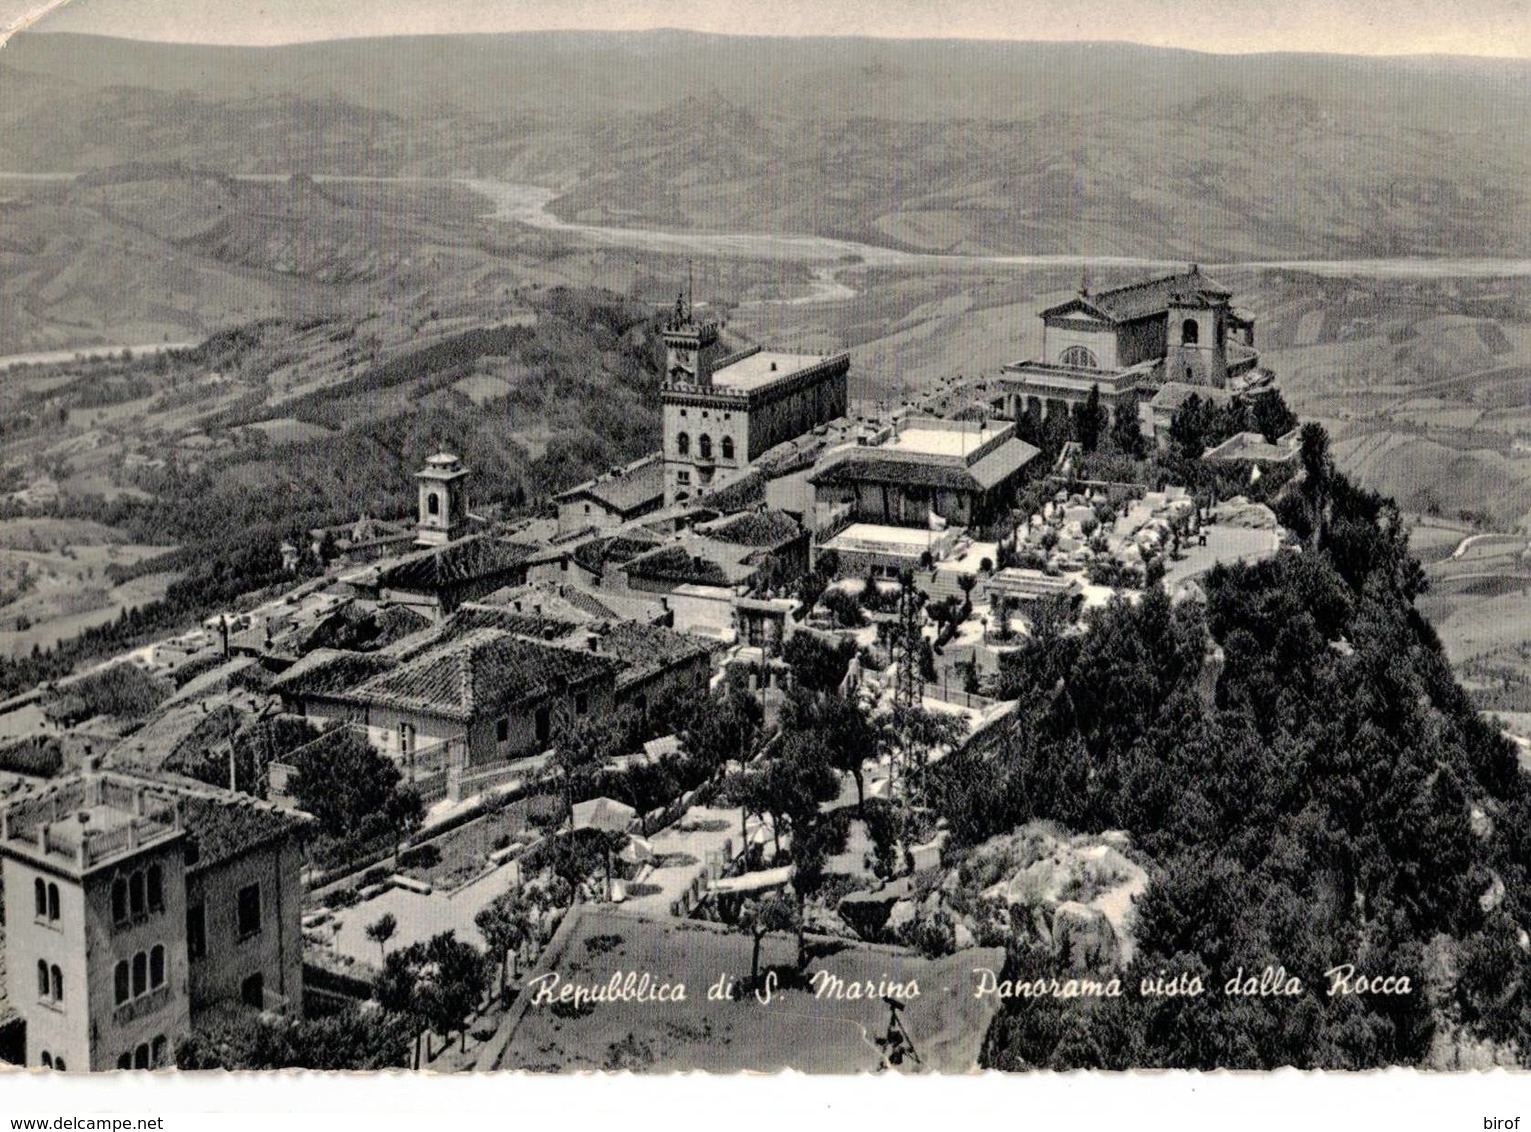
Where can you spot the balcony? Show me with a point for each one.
(145, 1004)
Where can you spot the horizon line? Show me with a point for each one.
(29, 25)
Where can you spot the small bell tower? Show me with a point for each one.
(443, 500)
(1196, 337)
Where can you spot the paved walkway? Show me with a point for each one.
(421, 916)
(704, 829)
(1224, 544)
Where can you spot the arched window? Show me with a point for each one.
(58, 1063)
(728, 448)
(58, 984)
(42, 979)
(40, 891)
(683, 444)
(140, 974)
(704, 446)
(157, 966)
(47, 1060)
(1078, 357)
(433, 504)
(119, 900)
(1190, 332)
(53, 902)
(120, 985)
(156, 888)
(125, 1061)
(141, 1056)
(136, 894)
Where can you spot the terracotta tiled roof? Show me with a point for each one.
(614, 606)
(465, 560)
(692, 558)
(647, 650)
(599, 553)
(627, 490)
(224, 826)
(484, 670)
(678, 564)
(1147, 297)
(351, 626)
(867, 465)
(474, 615)
(755, 528)
(326, 672)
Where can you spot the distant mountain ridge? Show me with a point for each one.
(948, 146)
(560, 71)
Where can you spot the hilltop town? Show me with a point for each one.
(810, 700)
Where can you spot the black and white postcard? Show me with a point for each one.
(874, 539)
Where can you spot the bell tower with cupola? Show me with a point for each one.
(443, 500)
(1196, 334)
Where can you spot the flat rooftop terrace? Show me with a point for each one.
(763, 368)
(903, 537)
(87, 822)
(940, 441)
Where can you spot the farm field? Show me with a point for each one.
(54, 580)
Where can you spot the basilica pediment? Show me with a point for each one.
(1078, 310)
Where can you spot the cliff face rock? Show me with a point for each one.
(1073, 892)
(1240, 512)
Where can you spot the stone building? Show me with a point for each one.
(608, 501)
(435, 581)
(1128, 341)
(475, 700)
(722, 410)
(134, 909)
(926, 471)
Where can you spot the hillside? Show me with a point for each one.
(944, 146)
(193, 465)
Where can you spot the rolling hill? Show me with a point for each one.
(940, 146)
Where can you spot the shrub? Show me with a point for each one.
(38, 756)
(846, 609)
(341, 898)
(420, 857)
(122, 691)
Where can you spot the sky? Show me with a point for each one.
(1364, 27)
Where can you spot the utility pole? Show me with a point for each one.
(906, 688)
(228, 730)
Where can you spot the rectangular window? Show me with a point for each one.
(502, 730)
(196, 931)
(249, 911)
(581, 703)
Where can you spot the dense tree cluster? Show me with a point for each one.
(347, 1039)
(1312, 788)
(357, 796)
